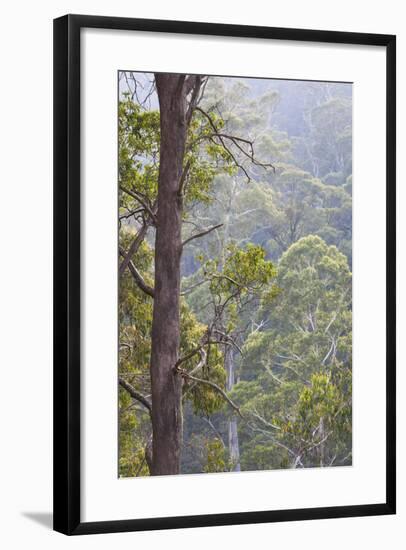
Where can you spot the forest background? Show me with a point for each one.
(266, 269)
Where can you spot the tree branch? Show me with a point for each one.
(237, 142)
(201, 363)
(197, 350)
(278, 443)
(213, 427)
(133, 248)
(183, 177)
(185, 374)
(188, 356)
(134, 394)
(142, 200)
(228, 339)
(138, 277)
(192, 287)
(192, 84)
(202, 233)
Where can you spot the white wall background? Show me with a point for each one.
(25, 273)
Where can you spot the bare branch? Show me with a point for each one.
(255, 413)
(228, 339)
(133, 248)
(237, 143)
(227, 278)
(271, 374)
(278, 443)
(192, 84)
(138, 277)
(202, 233)
(213, 427)
(183, 177)
(131, 213)
(191, 288)
(202, 90)
(142, 200)
(318, 443)
(135, 394)
(201, 363)
(185, 374)
(329, 352)
(197, 350)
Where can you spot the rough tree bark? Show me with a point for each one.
(166, 384)
(178, 96)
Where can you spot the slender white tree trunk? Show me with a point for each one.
(233, 444)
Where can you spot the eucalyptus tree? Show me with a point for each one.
(168, 160)
(326, 148)
(296, 376)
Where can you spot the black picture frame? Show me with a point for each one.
(67, 297)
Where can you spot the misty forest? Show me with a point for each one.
(235, 259)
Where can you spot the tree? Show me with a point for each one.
(249, 117)
(245, 355)
(296, 376)
(178, 154)
(326, 150)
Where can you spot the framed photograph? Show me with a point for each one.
(224, 274)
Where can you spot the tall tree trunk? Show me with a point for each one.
(166, 385)
(322, 445)
(233, 444)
